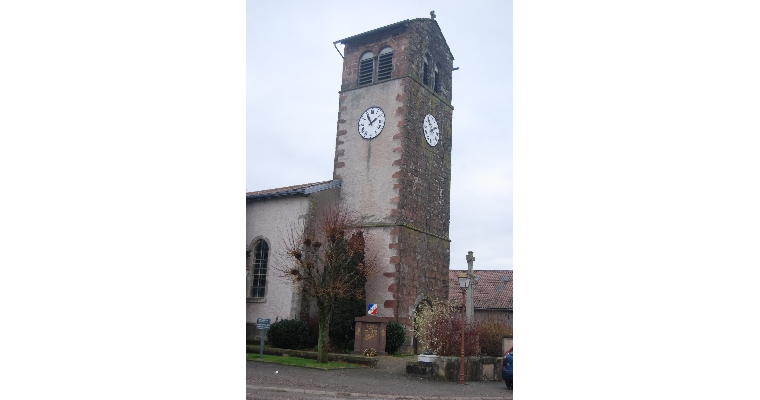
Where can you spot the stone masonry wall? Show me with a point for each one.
(425, 176)
(425, 37)
(396, 39)
(422, 271)
(424, 180)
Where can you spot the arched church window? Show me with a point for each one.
(259, 269)
(437, 79)
(366, 68)
(385, 64)
(426, 71)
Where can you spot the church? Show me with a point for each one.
(392, 168)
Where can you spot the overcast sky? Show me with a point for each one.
(294, 70)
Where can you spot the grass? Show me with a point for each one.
(300, 362)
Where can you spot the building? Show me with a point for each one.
(491, 294)
(392, 168)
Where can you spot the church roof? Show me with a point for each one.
(376, 30)
(304, 189)
(392, 26)
(492, 289)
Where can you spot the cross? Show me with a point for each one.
(470, 305)
(470, 259)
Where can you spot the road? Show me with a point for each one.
(388, 380)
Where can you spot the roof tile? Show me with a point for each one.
(492, 289)
(305, 188)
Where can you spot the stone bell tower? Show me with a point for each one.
(393, 156)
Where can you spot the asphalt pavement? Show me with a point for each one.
(388, 381)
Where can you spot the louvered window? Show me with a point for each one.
(425, 73)
(437, 80)
(366, 68)
(385, 64)
(259, 268)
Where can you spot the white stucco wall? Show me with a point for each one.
(376, 243)
(273, 219)
(368, 178)
(367, 175)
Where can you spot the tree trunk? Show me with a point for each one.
(324, 330)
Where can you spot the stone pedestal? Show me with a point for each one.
(369, 332)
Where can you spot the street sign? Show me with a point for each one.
(262, 323)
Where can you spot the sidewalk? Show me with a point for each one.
(388, 380)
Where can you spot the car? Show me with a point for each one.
(506, 368)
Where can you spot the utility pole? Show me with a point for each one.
(470, 306)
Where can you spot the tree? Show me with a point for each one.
(328, 264)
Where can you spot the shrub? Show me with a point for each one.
(342, 323)
(439, 328)
(395, 335)
(313, 324)
(447, 336)
(289, 334)
(491, 333)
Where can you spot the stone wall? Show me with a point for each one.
(447, 368)
(396, 38)
(503, 316)
(426, 38)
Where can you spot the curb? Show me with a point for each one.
(304, 366)
(370, 362)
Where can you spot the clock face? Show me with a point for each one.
(430, 129)
(371, 123)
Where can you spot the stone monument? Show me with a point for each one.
(369, 333)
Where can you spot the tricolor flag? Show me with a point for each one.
(372, 309)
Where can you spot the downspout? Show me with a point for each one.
(335, 44)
